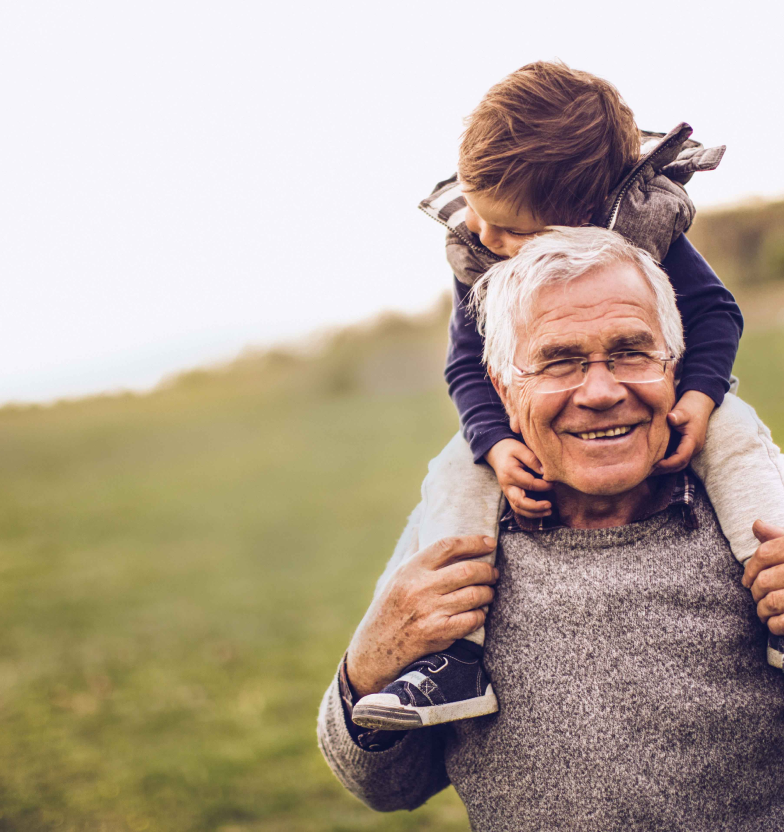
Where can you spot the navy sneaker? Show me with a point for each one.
(776, 651)
(441, 687)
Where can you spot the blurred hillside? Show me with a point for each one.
(744, 244)
(183, 570)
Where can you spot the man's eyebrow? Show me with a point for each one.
(552, 352)
(628, 341)
(633, 341)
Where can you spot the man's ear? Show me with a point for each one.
(505, 395)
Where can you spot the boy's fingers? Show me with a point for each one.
(677, 417)
(526, 506)
(679, 460)
(529, 458)
(450, 549)
(528, 482)
(539, 485)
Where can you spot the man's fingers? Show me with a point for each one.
(466, 573)
(772, 604)
(768, 580)
(469, 598)
(679, 460)
(764, 531)
(450, 549)
(768, 554)
(776, 625)
(465, 623)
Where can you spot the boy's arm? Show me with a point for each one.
(712, 321)
(743, 472)
(483, 419)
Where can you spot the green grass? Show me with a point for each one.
(181, 573)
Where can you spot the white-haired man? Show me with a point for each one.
(627, 658)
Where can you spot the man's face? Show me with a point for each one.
(608, 310)
(500, 227)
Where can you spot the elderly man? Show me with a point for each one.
(627, 657)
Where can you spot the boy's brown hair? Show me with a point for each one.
(550, 138)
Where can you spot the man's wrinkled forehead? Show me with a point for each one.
(610, 309)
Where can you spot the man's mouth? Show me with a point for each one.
(605, 433)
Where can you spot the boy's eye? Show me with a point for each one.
(519, 233)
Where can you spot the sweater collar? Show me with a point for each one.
(673, 490)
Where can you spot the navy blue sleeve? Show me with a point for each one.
(483, 419)
(712, 321)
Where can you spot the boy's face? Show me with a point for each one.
(500, 227)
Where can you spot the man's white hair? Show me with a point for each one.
(503, 298)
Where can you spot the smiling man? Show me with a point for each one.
(594, 380)
(627, 658)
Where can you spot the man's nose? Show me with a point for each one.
(600, 390)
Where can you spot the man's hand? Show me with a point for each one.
(690, 418)
(764, 575)
(431, 600)
(507, 459)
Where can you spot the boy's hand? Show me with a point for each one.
(690, 418)
(507, 458)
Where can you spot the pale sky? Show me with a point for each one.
(181, 179)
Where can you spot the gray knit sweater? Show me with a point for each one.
(634, 694)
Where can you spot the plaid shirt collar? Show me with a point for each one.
(673, 490)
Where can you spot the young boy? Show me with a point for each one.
(553, 146)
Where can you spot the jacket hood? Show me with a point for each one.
(649, 206)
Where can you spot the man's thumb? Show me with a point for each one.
(766, 531)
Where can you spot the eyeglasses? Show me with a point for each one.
(631, 367)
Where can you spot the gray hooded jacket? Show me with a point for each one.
(649, 206)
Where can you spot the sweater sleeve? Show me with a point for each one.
(712, 321)
(483, 419)
(401, 777)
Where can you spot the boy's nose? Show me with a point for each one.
(490, 237)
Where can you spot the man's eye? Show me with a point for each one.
(632, 357)
(563, 367)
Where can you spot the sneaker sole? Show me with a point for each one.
(383, 711)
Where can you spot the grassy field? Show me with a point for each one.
(181, 573)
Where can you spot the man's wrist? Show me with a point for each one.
(367, 739)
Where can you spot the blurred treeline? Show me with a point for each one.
(181, 572)
(745, 245)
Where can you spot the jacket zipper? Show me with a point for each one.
(634, 175)
(469, 243)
